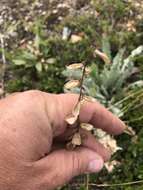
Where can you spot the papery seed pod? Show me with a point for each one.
(111, 165)
(71, 119)
(103, 56)
(72, 84)
(107, 140)
(89, 99)
(86, 126)
(76, 109)
(87, 70)
(129, 131)
(76, 140)
(82, 101)
(75, 66)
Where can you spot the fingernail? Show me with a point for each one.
(95, 165)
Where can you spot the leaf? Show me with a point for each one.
(118, 60)
(137, 84)
(46, 67)
(106, 47)
(19, 62)
(72, 84)
(103, 56)
(117, 111)
(39, 67)
(137, 51)
(86, 126)
(75, 66)
(76, 140)
(27, 56)
(37, 41)
(51, 60)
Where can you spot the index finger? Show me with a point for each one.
(93, 113)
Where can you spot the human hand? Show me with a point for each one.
(32, 124)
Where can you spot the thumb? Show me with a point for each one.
(62, 165)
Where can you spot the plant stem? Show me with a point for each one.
(81, 94)
(4, 63)
(113, 185)
(81, 83)
(136, 119)
(87, 179)
(127, 98)
(130, 105)
(117, 184)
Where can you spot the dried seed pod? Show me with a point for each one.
(71, 119)
(129, 131)
(89, 99)
(75, 66)
(87, 70)
(76, 140)
(111, 165)
(76, 109)
(72, 84)
(103, 56)
(107, 140)
(86, 126)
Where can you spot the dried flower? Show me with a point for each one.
(76, 140)
(87, 126)
(71, 84)
(75, 66)
(103, 56)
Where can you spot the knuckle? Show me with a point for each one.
(28, 100)
(76, 164)
(32, 96)
(32, 93)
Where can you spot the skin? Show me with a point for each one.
(32, 132)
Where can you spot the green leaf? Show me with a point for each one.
(137, 84)
(137, 51)
(106, 48)
(19, 62)
(37, 41)
(27, 55)
(51, 60)
(118, 59)
(38, 67)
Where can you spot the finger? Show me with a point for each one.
(92, 143)
(62, 165)
(88, 140)
(93, 113)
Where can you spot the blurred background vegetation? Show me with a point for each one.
(38, 38)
